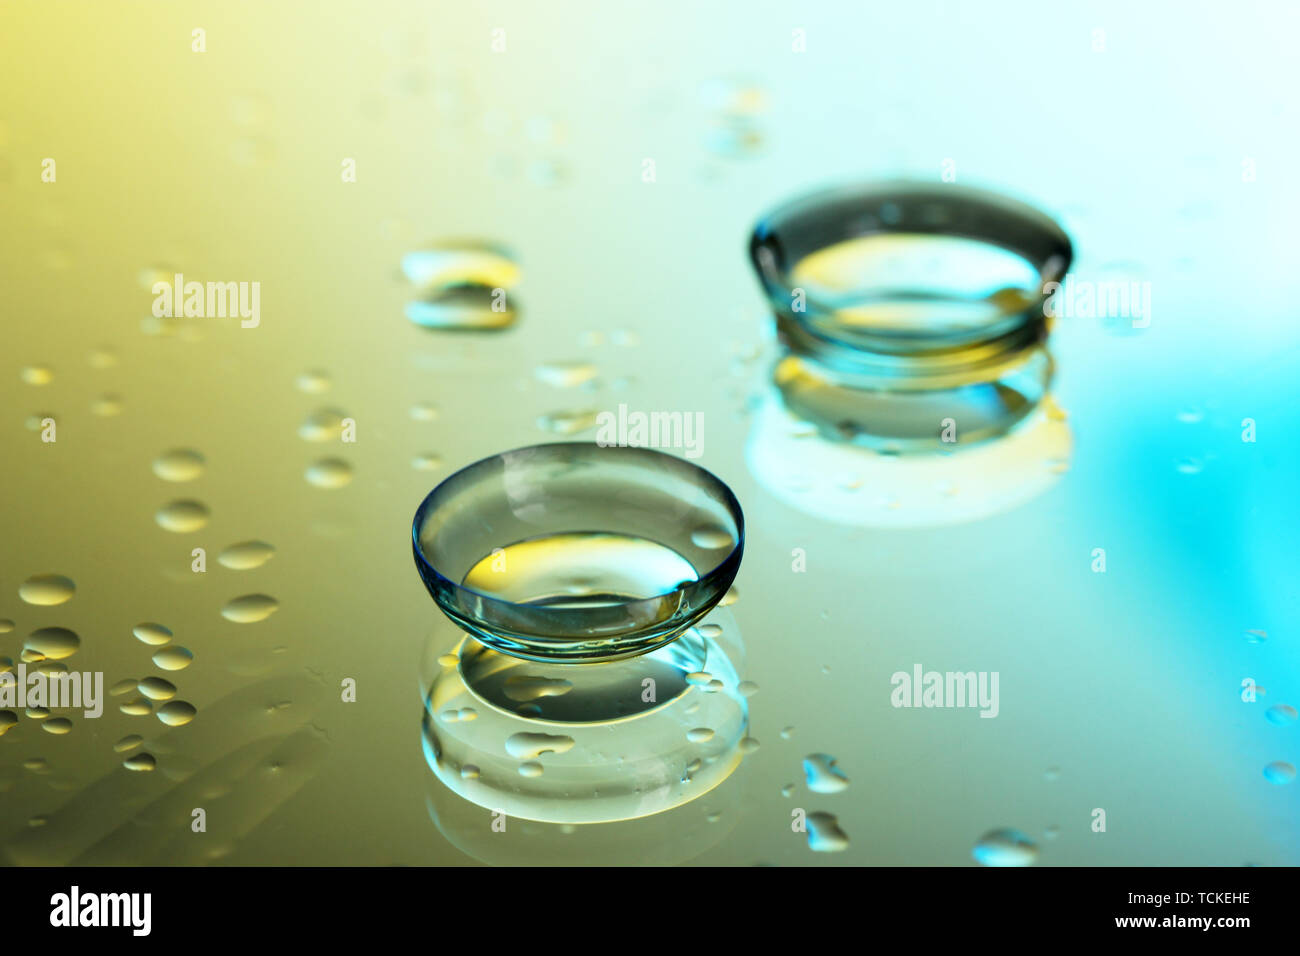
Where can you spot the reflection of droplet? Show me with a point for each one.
(174, 658)
(330, 473)
(825, 835)
(47, 589)
(176, 713)
(1005, 848)
(55, 643)
(183, 516)
(179, 464)
(246, 555)
(1279, 772)
(154, 634)
(526, 746)
(140, 762)
(568, 422)
(822, 775)
(250, 608)
(1281, 714)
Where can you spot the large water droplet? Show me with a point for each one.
(176, 713)
(47, 589)
(174, 658)
(154, 634)
(825, 835)
(1005, 848)
(156, 688)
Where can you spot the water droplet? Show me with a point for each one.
(1190, 415)
(787, 733)
(138, 707)
(330, 473)
(822, 776)
(141, 762)
(36, 375)
(462, 262)
(174, 658)
(55, 643)
(106, 406)
(747, 688)
(698, 678)
(8, 720)
(1281, 714)
(47, 589)
(530, 769)
(699, 735)
(123, 687)
(325, 424)
(1256, 637)
(246, 555)
(731, 597)
(6, 625)
(825, 835)
(526, 746)
(712, 538)
(57, 725)
(1279, 772)
(313, 382)
(710, 630)
(424, 412)
(250, 608)
(1005, 848)
(183, 516)
(426, 462)
(156, 688)
(787, 790)
(1052, 774)
(449, 660)
(568, 422)
(1189, 466)
(176, 713)
(464, 308)
(179, 464)
(749, 745)
(566, 374)
(1052, 832)
(469, 772)
(154, 634)
(129, 742)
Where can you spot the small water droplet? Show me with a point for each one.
(36, 375)
(787, 733)
(530, 769)
(1256, 637)
(822, 775)
(55, 643)
(710, 630)
(749, 745)
(57, 725)
(825, 835)
(138, 707)
(246, 555)
(156, 688)
(469, 772)
(1281, 714)
(154, 634)
(141, 762)
(174, 658)
(1005, 847)
(1052, 774)
(1189, 466)
(470, 308)
(567, 422)
(330, 473)
(423, 412)
(712, 538)
(1279, 772)
(747, 688)
(565, 374)
(250, 608)
(427, 461)
(183, 516)
(313, 382)
(129, 742)
(699, 735)
(731, 597)
(787, 790)
(324, 424)
(527, 688)
(179, 464)
(176, 713)
(47, 589)
(106, 406)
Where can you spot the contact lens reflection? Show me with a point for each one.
(565, 744)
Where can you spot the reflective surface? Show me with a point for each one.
(1119, 690)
